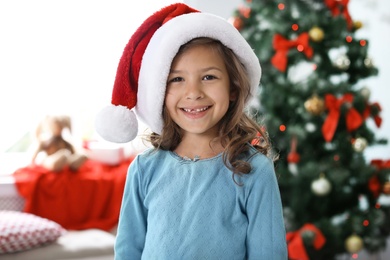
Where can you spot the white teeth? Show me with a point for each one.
(195, 110)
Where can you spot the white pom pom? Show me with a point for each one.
(116, 124)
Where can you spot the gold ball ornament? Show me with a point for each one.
(315, 105)
(316, 34)
(321, 186)
(357, 25)
(354, 244)
(359, 144)
(386, 188)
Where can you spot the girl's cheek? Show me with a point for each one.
(172, 92)
(169, 96)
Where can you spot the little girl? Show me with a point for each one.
(207, 188)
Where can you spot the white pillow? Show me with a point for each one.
(21, 231)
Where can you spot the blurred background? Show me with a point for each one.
(60, 57)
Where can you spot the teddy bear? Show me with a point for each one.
(53, 151)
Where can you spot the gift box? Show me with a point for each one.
(104, 152)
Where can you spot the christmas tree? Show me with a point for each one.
(316, 112)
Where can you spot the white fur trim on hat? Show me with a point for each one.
(164, 45)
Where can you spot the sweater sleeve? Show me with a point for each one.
(131, 233)
(266, 235)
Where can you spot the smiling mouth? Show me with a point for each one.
(194, 111)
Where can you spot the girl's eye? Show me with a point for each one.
(176, 79)
(209, 77)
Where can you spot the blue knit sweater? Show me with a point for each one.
(176, 208)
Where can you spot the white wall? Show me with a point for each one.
(375, 15)
(61, 57)
(223, 8)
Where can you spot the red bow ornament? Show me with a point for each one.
(353, 118)
(282, 45)
(296, 247)
(380, 164)
(368, 111)
(338, 7)
(374, 184)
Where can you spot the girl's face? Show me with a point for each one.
(198, 94)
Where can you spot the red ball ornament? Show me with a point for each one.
(293, 157)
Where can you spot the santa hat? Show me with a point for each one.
(143, 69)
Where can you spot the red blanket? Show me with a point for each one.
(88, 198)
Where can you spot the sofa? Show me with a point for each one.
(93, 244)
(67, 215)
(25, 236)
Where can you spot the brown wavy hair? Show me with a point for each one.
(236, 129)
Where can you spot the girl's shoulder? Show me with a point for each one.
(148, 163)
(256, 158)
(262, 165)
(149, 152)
(151, 157)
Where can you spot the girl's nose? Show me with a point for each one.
(193, 90)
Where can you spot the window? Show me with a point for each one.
(61, 57)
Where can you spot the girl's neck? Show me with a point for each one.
(202, 148)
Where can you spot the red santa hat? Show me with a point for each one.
(143, 69)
